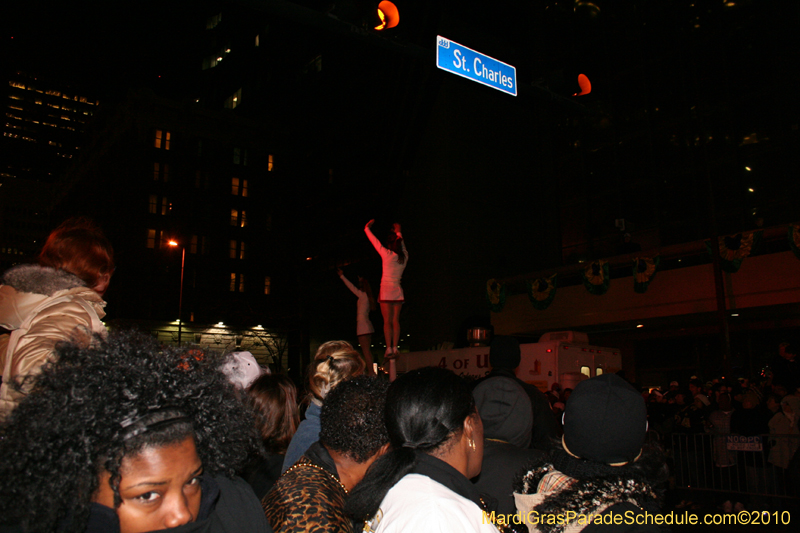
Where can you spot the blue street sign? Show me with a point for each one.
(468, 63)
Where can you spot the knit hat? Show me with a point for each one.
(605, 420)
(505, 409)
(242, 369)
(504, 352)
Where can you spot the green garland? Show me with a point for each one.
(644, 270)
(495, 295)
(542, 291)
(734, 248)
(596, 278)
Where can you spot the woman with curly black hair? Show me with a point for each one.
(128, 436)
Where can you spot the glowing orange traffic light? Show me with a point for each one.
(585, 85)
(388, 14)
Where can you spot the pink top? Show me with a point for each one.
(392, 269)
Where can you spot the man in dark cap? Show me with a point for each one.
(505, 411)
(603, 466)
(504, 358)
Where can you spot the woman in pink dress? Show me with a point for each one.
(394, 257)
(364, 329)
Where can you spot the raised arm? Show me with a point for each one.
(372, 238)
(350, 286)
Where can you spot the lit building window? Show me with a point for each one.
(166, 207)
(162, 139)
(238, 186)
(153, 206)
(156, 171)
(234, 100)
(237, 282)
(237, 249)
(193, 245)
(215, 59)
(258, 40)
(238, 218)
(267, 285)
(151, 238)
(269, 163)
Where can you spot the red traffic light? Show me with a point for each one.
(585, 84)
(388, 14)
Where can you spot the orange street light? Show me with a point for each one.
(174, 243)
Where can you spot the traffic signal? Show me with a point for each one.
(388, 15)
(584, 84)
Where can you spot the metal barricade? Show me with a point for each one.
(765, 465)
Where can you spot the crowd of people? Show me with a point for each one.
(694, 422)
(119, 433)
(115, 432)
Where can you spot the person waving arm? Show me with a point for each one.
(347, 282)
(373, 239)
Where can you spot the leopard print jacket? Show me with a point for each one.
(307, 497)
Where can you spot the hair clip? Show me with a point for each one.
(134, 426)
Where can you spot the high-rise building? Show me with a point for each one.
(43, 131)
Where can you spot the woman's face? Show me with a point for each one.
(159, 487)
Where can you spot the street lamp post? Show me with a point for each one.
(180, 298)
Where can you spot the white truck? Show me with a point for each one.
(563, 357)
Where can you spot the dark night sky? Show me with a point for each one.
(120, 45)
(105, 46)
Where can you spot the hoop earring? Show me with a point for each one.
(472, 445)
